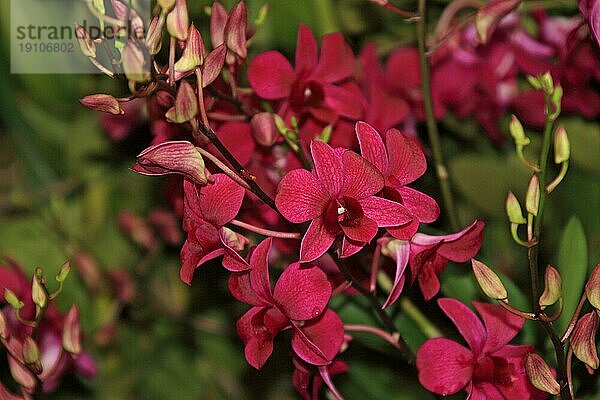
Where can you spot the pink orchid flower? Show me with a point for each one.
(206, 210)
(317, 85)
(338, 196)
(428, 257)
(297, 302)
(400, 161)
(490, 368)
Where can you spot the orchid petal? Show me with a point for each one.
(501, 325)
(385, 212)
(467, 323)
(316, 241)
(343, 101)
(362, 179)
(301, 196)
(371, 146)
(361, 230)
(306, 50)
(406, 159)
(302, 293)
(423, 207)
(318, 342)
(328, 166)
(259, 275)
(221, 201)
(336, 60)
(444, 366)
(271, 75)
(401, 252)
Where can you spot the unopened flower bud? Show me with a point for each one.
(22, 375)
(547, 83)
(166, 5)
(102, 102)
(135, 63)
(592, 287)
(562, 148)
(540, 374)
(194, 52)
(86, 43)
(280, 124)
(235, 30)
(64, 272)
(186, 104)
(137, 229)
(264, 130)
(488, 281)
(31, 352)
(88, 270)
(513, 210)
(12, 299)
(71, 335)
(517, 132)
(553, 287)
(3, 327)
(488, 16)
(583, 339)
(39, 295)
(532, 198)
(174, 157)
(154, 35)
(178, 20)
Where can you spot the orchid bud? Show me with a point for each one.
(213, 64)
(31, 352)
(553, 287)
(562, 148)
(135, 63)
(3, 327)
(166, 5)
(540, 374)
(233, 239)
(262, 15)
(21, 374)
(532, 198)
(86, 43)
(178, 20)
(137, 229)
(186, 105)
(280, 124)
(488, 281)
(102, 102)
(154, 35)
(547, 83)
(39, 295)
(64, 272)
(12, 299)
(489, 16)
(583, 339)
(513, 210)
(71, 334)
(194, 52)
(517, 132)
(264, 130)
(88, 270)
(174, 157)
(592, 287)
(235, 30)
(326, 134)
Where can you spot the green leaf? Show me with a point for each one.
(572, 264)
(485, 179)
(584, 138)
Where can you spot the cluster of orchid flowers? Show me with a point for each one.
(318, 158)
(42, 344)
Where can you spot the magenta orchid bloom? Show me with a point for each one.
(400, 161)
(318, 85)
(429, 255)
(338, 196)
(206, 210)
(490, 369)
(297, 302)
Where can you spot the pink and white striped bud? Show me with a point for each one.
(583, 339)
(102, 102)
(592, 287)
(488, 281)
(86, 43)
(186, 104)
(194, 52)
(178, 20)
(553, 287)
(71, 335)
(174, 157)
(540, 375)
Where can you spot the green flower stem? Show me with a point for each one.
(424, 324)
(432, 130)
(533, 252)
